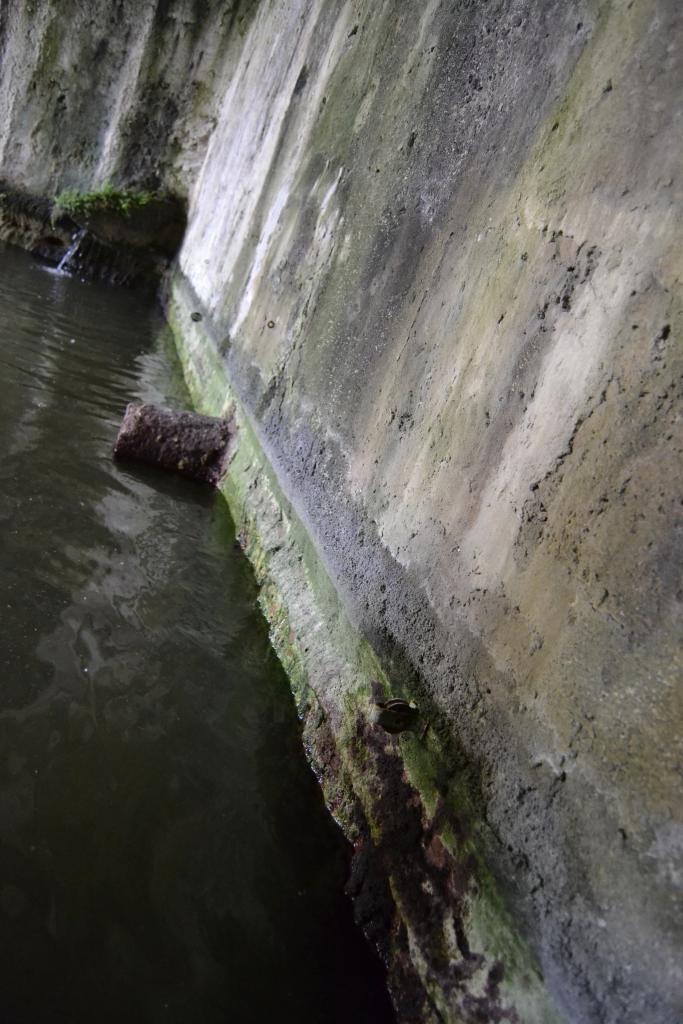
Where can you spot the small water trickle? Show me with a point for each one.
(63, 265)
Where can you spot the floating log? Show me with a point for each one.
(184, 442)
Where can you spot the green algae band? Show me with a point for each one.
(184, 442)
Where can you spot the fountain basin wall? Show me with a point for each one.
(436, 256)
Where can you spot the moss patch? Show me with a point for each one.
(109, 200)
(128, 219)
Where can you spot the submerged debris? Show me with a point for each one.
(193, 445)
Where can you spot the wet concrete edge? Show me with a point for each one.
(420, 885)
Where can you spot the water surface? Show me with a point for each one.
(164, 852)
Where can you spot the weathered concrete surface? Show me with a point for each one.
(421, 889)
(437, 251)
(445, 282)
(102, 93)
(112, 90)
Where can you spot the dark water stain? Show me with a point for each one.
(164, 851)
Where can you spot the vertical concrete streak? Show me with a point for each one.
(124, 93)
(242, 157)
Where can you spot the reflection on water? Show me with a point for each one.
(164, 854)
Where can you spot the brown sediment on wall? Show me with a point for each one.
(434, 262)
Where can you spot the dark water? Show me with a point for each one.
(164, 852)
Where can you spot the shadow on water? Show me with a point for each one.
(164, 851)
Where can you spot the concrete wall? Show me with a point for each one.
(112, 90)
(445, 283)
(436, 250)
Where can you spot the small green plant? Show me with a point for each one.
(105, 200)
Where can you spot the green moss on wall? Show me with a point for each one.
(119, 202)
(331, 668)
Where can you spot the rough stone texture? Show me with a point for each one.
(108, 92)
(437, 251)
(26, 221)
(37, 225)
(156, 225)
(184, 442)
(112, 90)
